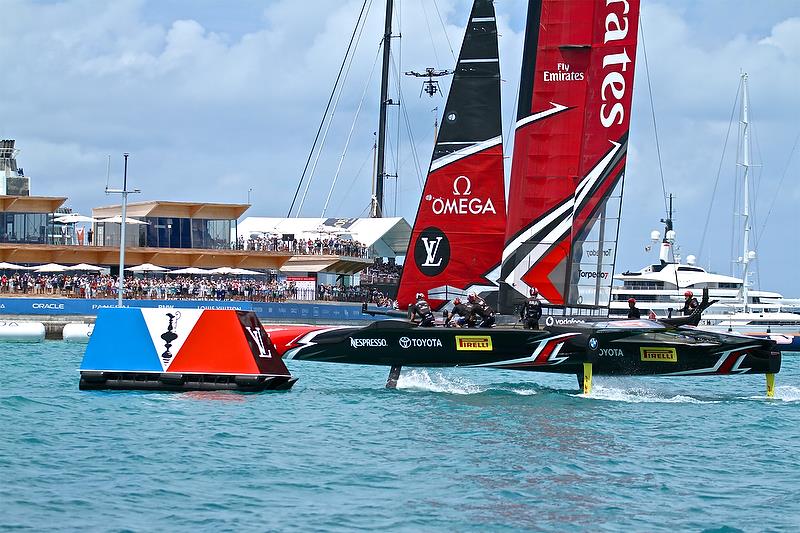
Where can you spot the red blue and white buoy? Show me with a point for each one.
(181, 349)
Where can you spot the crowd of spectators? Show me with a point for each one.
(382, 272)
(302, 246)
(153, 288)
(167, 287)
(355, 293)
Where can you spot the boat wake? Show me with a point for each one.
(423, 381)
(784, 393)
(637, 394)
(420, 380)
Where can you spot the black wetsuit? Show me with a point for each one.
(689, 308)
(531, 313)
(422, 310)
(482, 314)
(464, 311)
(634, 313)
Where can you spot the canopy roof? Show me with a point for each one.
(157, 208)
(31, 204)
(388, 236)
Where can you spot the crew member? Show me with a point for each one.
(482, 313)
(633, 311)
(461, 310)
(422, 311)
(531, 311)
(690, 304)
(691, 308)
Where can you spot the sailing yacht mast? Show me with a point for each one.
(377, 201)
(747, 254)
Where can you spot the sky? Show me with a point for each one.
(220, 101)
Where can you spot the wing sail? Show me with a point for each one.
(459, 230)
(570, 150)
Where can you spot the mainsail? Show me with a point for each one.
(459, 231)
(570, 149)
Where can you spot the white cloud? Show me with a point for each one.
(208, 111)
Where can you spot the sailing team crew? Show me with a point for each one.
(475, 313)
(689, 308)
(461, 310)
(531, 311)
(422, 311)
(690, 304)
(633, 311)
(481, 310)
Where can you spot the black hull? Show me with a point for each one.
(651, 349)
(99, 380)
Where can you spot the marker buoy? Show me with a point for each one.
(181, 349)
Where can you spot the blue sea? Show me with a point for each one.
(451, 450)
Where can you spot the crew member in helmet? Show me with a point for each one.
(482, 313)
(633, 311)
(691, 308)
(690, 304)
(531, 310)
(462, 311)
(422, 311)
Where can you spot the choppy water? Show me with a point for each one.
(452, 450)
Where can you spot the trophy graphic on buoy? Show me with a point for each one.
(170, 336)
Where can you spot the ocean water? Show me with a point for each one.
(451, 450)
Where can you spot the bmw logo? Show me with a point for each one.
(593, 343)
(405, 342)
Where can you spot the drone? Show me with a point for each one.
(430, 86)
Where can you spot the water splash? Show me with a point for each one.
(783, 393)
(787, 393)
(423, 381)
(637, 395)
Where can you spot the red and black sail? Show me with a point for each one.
(459, 231)
(570, 149)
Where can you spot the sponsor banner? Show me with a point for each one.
(555, 321)
(368, 343)
(265, 310)
(659, 355)
(408, 342)
(474, 343)
(308, 311)
(611, 352)
(78, 306)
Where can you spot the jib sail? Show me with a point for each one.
(570, 149)
(459, 231)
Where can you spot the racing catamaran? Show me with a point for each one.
(565, 198)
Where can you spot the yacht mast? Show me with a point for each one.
(747, 254)
(377, 207)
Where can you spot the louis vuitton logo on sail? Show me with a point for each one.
(462, 202)
(431, 249)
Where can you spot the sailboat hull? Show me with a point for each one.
(641, 348)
